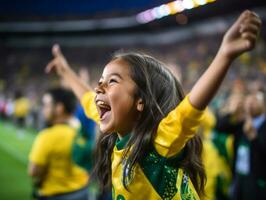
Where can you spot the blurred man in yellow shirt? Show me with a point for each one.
(21, 111)
(21, 107)
(50, 165)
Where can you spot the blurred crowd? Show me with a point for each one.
(234, 127)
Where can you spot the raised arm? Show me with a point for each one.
(62, 68)
(241, 37)
(60, 65)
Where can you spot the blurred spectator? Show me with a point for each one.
(250, 162)
(21, 111)
(54, 174)
(21, 108)
(248, 124)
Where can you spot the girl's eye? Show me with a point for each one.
(100, 83)
(112, 81)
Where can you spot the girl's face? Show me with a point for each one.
(116, 101)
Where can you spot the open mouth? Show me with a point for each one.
(103, 108)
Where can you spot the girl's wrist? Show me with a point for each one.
(224, 56)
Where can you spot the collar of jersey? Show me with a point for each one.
(121, 143)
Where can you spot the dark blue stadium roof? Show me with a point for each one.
(73, 7)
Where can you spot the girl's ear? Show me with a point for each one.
(140, 105)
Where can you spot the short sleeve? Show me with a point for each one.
(89, 106)
(177, 128)
(40, 150)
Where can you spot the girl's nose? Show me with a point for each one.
(99, 89)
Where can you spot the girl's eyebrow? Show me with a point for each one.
(114, 74)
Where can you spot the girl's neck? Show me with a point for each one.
(121, 135)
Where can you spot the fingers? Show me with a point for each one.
(56, 51)
(252, 24)
(58, 59)
(250, 29)
(247, 22)
(250, 40)
(242, 17)
(247, 18)
(243, 34)
(50, 66)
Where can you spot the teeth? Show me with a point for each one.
(102, 104)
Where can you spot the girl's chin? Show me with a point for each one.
(106, 130)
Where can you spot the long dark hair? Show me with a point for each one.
(161, 93)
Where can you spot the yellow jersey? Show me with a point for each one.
(52, 149)
(21, 107)
(158, 175)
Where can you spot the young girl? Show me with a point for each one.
(148, 148)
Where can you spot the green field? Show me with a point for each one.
(14, 149)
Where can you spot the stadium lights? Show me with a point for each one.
(171, 8)
(200, 2)
(188, 4)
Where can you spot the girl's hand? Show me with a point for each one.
(239, 38)
(59, 63)
(242, 35)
